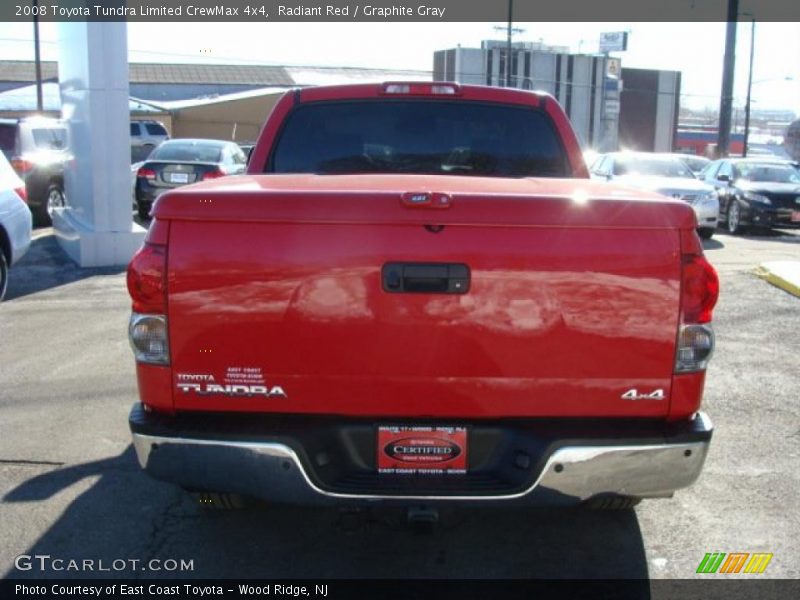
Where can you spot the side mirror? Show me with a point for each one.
(724, 178)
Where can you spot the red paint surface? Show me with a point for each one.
(570, 304)
(574, 298)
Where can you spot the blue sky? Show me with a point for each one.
(695, 49)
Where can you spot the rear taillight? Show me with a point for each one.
(216, 173)
(21, 166)
(147, 279)
(695, 347)
(699, 289)
(148, 174)
(147, 285)
(699, 294)
(22, 193)
(148, 338)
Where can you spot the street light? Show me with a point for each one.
(749, 88)
(37, 57)
(747, 111)
(750, 84)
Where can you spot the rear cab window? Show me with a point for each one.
(419, 136)
(49, 138)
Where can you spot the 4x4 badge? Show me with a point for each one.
(633, 394)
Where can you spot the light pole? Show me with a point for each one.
(510, 33)
(726, 95)
(749, 88)
(37, 57)
(750, 84)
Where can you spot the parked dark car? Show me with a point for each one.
(183, 161)
(756, 192)
(38, 149)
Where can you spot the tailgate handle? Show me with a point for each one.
(425, 278)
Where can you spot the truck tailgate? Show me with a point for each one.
(277, 298)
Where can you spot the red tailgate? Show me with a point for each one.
(288, 303)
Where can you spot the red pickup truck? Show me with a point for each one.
(416, 296)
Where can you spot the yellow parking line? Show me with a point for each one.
(777, 281)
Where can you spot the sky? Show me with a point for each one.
(695, 49)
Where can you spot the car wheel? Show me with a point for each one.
(735, 218)
(3, 275)
(143, 210)
(54, 198)
(705, 233)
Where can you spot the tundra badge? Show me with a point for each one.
(633, 394)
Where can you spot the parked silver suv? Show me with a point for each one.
(38, 149)
(145, 136)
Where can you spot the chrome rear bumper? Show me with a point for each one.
(570, 475)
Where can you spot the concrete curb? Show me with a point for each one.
(784, 274)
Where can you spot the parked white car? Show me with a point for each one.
(665, 174)
(15, 221)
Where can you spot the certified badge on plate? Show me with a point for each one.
(423, 450)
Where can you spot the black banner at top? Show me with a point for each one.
(393, 10)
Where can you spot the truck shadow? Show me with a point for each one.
(712, 244)
(127, 515)
(47, 266)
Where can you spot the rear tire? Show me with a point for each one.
(612, 502)
(3, 275)
(143, 210)
(734, 219)
(705, 233)
(54, 198)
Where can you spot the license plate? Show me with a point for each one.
(179, 177)
(412, 450)
(796, 216)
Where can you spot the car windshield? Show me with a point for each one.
(695, 164)
(50, 138)
(187, 151)
(660, 167)
(775, 173)
(419, 136)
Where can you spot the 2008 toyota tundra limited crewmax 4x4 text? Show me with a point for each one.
(416, 296)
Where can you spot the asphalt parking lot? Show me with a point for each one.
(70, 486)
